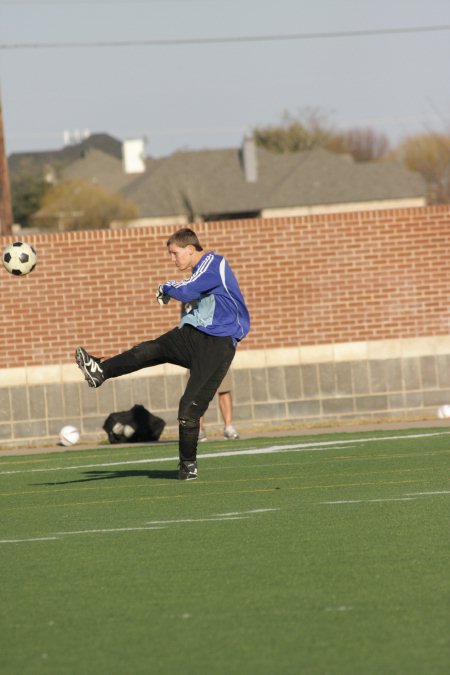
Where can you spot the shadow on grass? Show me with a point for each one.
(110, 475)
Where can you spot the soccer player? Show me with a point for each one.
(214, 319)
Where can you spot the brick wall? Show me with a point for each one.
(350, 320)
(308, 280)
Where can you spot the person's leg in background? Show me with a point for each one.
(226, 410)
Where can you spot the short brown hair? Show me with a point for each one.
(185, 237)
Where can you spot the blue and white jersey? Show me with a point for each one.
(212, 300)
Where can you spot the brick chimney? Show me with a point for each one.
(249, 159)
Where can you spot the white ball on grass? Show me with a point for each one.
(69, 435)
(444, 412)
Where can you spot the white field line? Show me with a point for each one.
(105, 530)
(424, 494)
(220, 516)
(295, 447)
(152, 525)
(19, 541)
(408, 497)
(368, 501)
(59, 535)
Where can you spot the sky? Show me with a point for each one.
(76, 65)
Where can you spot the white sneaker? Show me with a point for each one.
(202, 437)
(230, 433)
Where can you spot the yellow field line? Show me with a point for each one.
(156, 484)
(204, 494)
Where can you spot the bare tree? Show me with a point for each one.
(310, 129)
(429, 154)
(365, 145)
(78, 205)
(28, 186)
(306, 131)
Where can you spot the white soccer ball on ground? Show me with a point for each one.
(19, 258)
(69, 435)
(444, 412)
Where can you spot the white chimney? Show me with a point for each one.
(75, 137)
(133, 156)
(250, 159)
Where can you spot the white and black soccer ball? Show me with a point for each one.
(19, 258)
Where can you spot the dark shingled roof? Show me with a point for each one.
(70, 153)
(213, 182)
(210, 183)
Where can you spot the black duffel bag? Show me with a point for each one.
(137, 425)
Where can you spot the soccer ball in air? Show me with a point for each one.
(69, 435)
(19, 258)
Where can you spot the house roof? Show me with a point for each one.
(70, 153)
(99, 167)
(208, 183)
(213, 182)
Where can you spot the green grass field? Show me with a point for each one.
(308, 555)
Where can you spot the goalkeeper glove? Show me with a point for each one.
(161, 297)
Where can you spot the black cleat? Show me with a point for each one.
(187, 471)
(90, 365)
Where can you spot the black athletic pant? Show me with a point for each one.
(208, 359)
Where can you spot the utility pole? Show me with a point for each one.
(5, 195)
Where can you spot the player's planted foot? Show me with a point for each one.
(187, 470)
(230, 433)
(90, 366)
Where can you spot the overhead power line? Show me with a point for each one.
(89, 2)
(227, 40)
